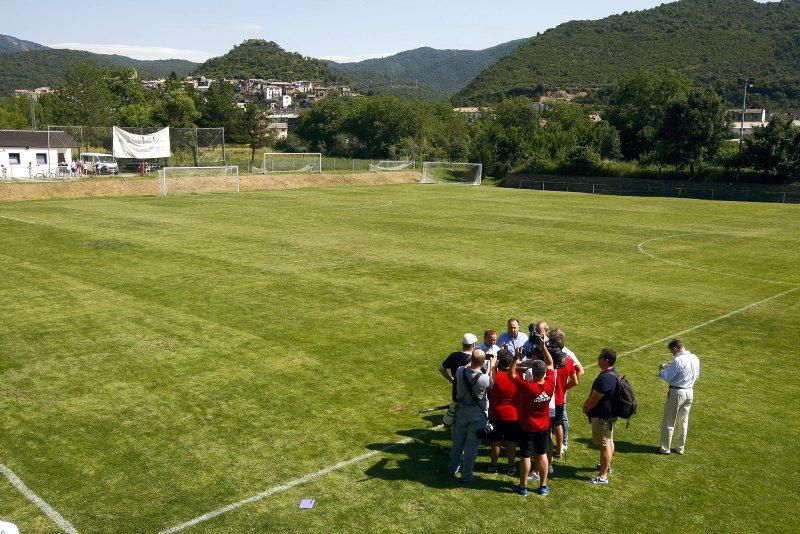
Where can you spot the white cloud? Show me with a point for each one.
(358, 57)
(139, 52)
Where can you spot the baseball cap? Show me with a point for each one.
(469, 339)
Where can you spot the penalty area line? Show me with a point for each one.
(702, 325)
(14, 219)
(57, 518)
(296, 482)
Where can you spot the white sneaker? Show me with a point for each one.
(564, 449)
(550, 470)
(533, 475)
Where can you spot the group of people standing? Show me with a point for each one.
(512, 391)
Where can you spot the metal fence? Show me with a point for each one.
(715, 191)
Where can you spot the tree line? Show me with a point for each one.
(653, 120)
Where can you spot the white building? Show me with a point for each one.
(24, 154)
(753, 118)
(273, 92)
(287, 101)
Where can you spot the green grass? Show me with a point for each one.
(162, 358)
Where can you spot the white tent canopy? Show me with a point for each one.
(147, 146)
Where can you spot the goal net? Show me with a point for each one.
(452, 173)
(404, 165)
(179, 180)
(292, 162)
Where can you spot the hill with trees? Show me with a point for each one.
(714, 42)
(47, 67)
(257, 58)
(10, 44)
(443, 71)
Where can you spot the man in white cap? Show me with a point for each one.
(458, 359)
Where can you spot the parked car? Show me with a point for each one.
(98, 163)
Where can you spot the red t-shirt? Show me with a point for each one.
(534, 402)
(561, 381)
(503, 398)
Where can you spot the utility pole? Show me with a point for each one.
(33, 111)
(747, 83)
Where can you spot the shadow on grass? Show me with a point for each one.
(424, 460)
(624, 447)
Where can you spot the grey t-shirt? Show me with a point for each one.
(466, 404)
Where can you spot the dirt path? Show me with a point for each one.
(146, 187)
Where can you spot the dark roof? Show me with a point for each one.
(30, 139)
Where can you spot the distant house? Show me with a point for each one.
(755, 117)
(23, 153)
(35, 93)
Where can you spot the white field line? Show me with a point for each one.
(712, 321)
(701, 325)
(18, 220)
(296, 482)
(57, 518)
(387, 204)
(641, 245)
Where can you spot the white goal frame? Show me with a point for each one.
(222, 169)
(393, 166)
(427, 176)
(317, 155)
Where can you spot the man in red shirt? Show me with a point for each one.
(534, 418)
(566, 378)
(503, 413)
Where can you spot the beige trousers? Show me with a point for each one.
(676, 414)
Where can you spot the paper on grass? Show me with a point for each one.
(307, 504)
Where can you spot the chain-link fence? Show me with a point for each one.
(195, 147)
(710, 191)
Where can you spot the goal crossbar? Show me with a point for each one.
(451, 172)
(198, 173)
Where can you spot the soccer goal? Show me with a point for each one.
(292, 162)
(221, 179)
(404, 165)
(451, 173)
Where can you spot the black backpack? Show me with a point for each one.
(625, 403)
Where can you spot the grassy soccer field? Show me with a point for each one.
(161, 359)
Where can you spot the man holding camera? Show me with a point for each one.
(534, 417)
(458, 359)
(681, 374)
(472, 414)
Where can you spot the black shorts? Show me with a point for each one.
(504, 431)
(558, 417)
(531, 443)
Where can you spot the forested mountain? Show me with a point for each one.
(714, 42)
(10, 44)
(256, 58)
(445, 71)
(37, 68)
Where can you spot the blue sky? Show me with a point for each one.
(343, 30)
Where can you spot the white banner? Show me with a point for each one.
(134, 146)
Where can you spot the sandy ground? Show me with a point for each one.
(143, 187)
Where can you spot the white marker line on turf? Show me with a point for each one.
(296, 482)
(641, 245)
(701, 325)
(57, 518)
(372, 207)
(13, 219)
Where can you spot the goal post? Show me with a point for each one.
(288, 162)
(220, 179)
(451, 172)
(388, 165)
